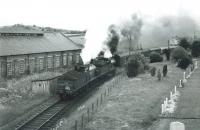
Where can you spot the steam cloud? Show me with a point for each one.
(157, 32)
(148, 32)
(113, 39)
(131, 32)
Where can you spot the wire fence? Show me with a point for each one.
(94, 107)
(87, 115)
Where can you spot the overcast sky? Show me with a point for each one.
(93, 15)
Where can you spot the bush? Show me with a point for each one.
(184, 63)
(136, 65)
(184, 43)
(153, 71)
(196, 48)
(164, 70)
(155, 57)
(159, 76)
(179, 53)
(181, 56)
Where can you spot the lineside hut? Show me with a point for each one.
(46, 86)
(28, 50)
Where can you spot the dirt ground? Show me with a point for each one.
(16, 97)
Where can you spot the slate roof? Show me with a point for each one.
(49, 42)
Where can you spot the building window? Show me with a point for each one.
(9, 69)
(70, 57)
(57, 61)
(32, 65)
(50, 62)
(41, 63)
(64, 59)
(77, 58)
(21, 66)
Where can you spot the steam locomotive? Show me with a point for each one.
(83, 76)
(75, 81)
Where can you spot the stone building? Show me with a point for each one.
(27, 50)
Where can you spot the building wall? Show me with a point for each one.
(15, 66)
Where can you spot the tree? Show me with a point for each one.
(132, 31)
(155, 57)
(196, 48)
(136, 65)
(184, 43)
(181, 56)
(179, 53)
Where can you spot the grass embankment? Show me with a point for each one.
(17, 98)
(136, 104)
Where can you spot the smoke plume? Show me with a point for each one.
(156, 33)
(113, 39)
(131, 32)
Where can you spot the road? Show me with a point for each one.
(188, 110)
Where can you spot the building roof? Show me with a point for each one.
(49, 42)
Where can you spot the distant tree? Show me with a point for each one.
(136, 65)
(181, 56)
(184, 43)
(132, 31)
(155, 57)
(179, 53)
(196, 48)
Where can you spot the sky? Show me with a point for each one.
(92, 15)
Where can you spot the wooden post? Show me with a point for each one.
(88, 113)
(76, 125)
(82, 121)
(97, 103)
(101, 98)
(92, 107)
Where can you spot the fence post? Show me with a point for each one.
(97, 103)
(82, 122)
(92, 107)
(76, 125)
(101, 99)
(88, 113)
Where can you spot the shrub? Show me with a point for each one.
(181, 56)
(184, 43)
(196, 48)
(136, 65)
(153, 71)
(164, 70)
(159, 75)
(155, 57)
(184, 63)
(179, 53)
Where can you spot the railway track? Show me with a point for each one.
(45, 119)
(41, 119)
